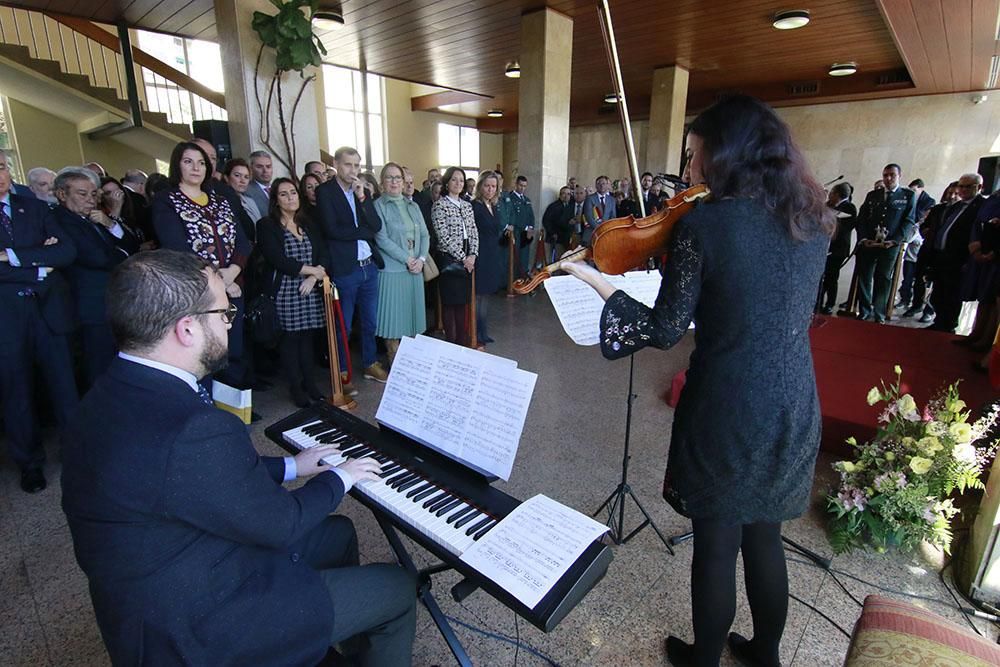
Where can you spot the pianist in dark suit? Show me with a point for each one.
(35, 318)
(194, 551)
(746, 430)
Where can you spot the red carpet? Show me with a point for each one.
(851, 357)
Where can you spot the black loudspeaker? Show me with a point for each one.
(216, 132)
(989, 169)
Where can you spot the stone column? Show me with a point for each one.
(666, 120)
(239, 47)
(543, 107)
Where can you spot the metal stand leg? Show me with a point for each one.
(616, 501)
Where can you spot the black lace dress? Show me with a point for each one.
(746, 430)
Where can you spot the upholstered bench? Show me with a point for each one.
(896, 633)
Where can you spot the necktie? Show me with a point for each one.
(204, 395)
(942, 236)
(5, 221)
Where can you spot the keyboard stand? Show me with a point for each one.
(424, 591)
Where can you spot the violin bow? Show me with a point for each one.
(611, 49)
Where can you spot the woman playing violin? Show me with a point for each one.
(744, 266)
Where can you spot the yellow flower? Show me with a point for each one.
(964, 452)
(929, 444)
(960, 431)
(889, 456)
(846, 466)
(852, 441)
(920, 465)
(906, 404)
(957, 406)
(874, 396)
(897, 370)
(908, 442)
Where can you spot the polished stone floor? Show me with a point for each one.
(570, 451)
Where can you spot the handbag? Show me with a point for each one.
(430, 269)
(262, 315)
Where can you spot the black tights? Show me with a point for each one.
(455, 329)
(713, 587)
(297, 360)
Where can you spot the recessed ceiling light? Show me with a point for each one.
(790, 19)
(512, 71)
(328, 16)
(611, 98)
(495, 113)
(843, 69)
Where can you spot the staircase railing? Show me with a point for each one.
(93, 50)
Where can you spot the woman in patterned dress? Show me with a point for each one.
(294, 250)
(404, 243)
(458, 246)
(189, 217)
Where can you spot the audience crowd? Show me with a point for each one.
(394, 253)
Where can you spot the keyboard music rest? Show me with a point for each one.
(466, 484)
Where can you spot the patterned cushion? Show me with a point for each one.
(896, 633)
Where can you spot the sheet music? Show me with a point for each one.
(532, 547)
(579, 306)
(463, 403)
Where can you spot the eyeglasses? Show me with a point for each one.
(393, 179)
(228, 314)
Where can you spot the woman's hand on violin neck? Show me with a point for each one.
(589, 275)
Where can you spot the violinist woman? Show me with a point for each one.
(458, 246)
(744, 265)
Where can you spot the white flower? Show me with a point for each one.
(874, 396)
(964, 452)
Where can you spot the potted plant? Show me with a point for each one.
(897, 489)
(289, 34)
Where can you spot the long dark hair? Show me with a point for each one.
(748, 152)
(175, 163)
(449, 172)
(274, 211)
(128, 211)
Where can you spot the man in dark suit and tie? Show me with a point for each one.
(350, 231)
(36, 318)
(102, 243)
(598, 208)
(948, 252)
(194, 551)
(885, 221)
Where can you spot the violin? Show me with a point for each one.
(621, 244)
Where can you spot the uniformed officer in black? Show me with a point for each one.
(886, 217)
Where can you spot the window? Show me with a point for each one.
(459, 146)
(199, 60)
(352, 120)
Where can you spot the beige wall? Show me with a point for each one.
(42, 139)
(116, 157)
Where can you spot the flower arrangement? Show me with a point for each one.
(896, 491)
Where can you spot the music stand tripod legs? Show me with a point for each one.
(615, 503)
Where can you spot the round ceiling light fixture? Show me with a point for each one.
(513, 70)
(790, 19)
(495, 113)
(328, 17)
(611, 98)
(843, 69)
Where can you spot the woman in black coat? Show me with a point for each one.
(294, 249)
(489, 278)
(744, 265)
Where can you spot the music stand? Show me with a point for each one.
(618, 497)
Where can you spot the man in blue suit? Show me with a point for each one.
(350, 228)
(194, 552)
(598, 208)
(102, 243)
(36, 317)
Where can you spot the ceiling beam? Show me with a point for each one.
(437, 100)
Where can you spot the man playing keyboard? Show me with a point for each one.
(194, 551)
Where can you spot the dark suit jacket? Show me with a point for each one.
(847, 218)
(141, 213)
(924, 204)
(271, 241)
(592, 212)
(950, 260)
(98, 251)
(342, 235)
(558, 221)
(895, 211)
(185, 533)
(33, 222)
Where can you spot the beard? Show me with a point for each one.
(214, 355)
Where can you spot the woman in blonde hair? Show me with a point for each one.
(489, 271)
(404, 243)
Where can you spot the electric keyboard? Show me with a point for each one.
(439, 503)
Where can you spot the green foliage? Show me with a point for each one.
(896, 490)
(289, 33)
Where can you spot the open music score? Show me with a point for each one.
(532, 547)
(579, 306)
(466, 404)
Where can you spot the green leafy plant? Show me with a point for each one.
(289, 34)
(896, 490)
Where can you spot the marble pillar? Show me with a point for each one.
(666, 120)
(543, 107)
(239, 46)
